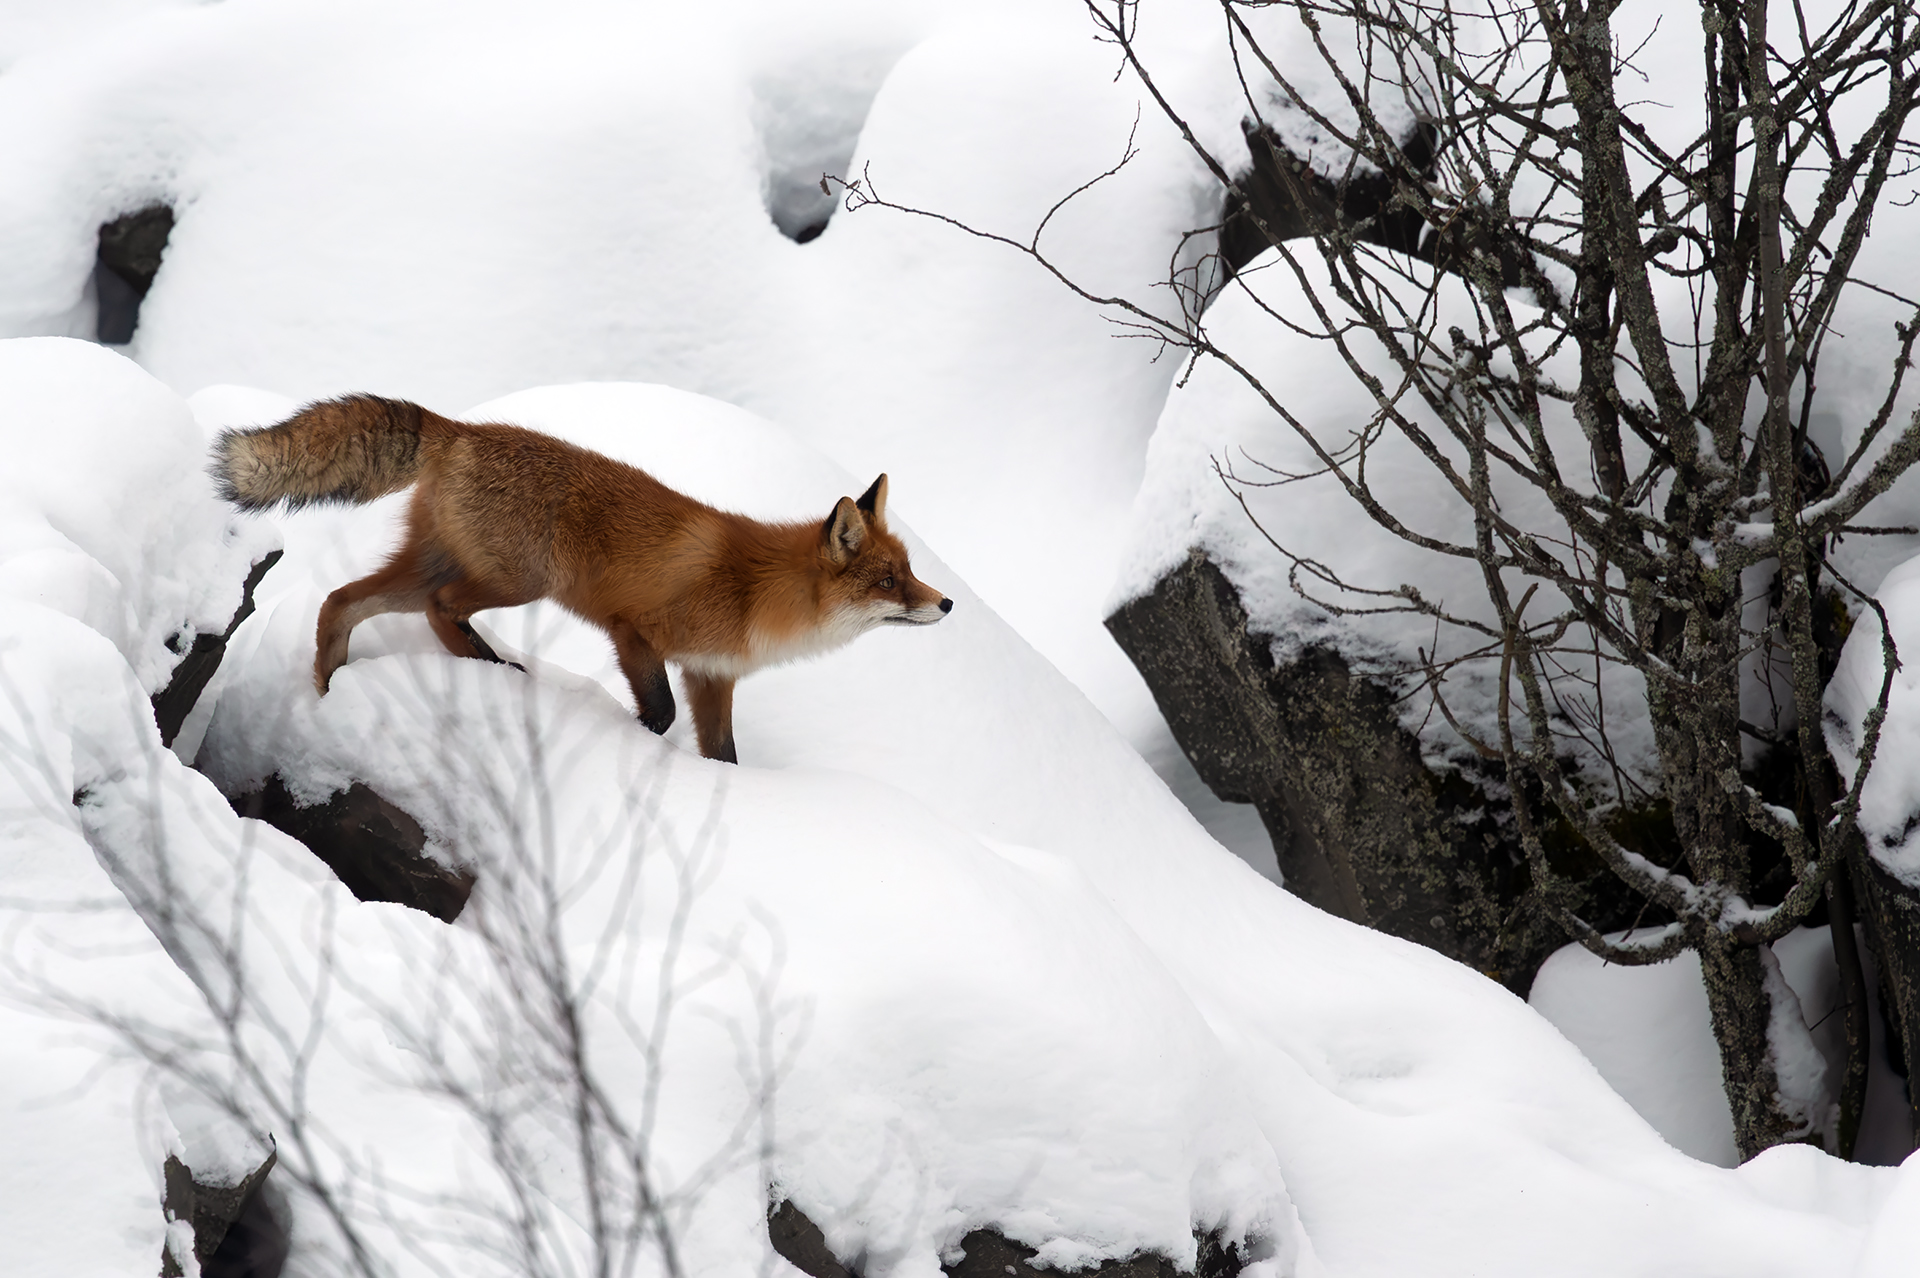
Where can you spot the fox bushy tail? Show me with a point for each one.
(348, 450)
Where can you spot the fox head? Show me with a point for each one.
(869, 567)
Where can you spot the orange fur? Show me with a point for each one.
(502, 516)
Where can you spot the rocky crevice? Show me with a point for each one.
(1891, 915)
(372, 845)
(376, 848)
(173, 703)
(1280, 196)
(125, 263)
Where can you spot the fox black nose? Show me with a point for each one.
(946, 605)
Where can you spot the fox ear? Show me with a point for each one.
(843, 532)
(874, 501)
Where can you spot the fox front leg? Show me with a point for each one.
(711, 699)
(646, 675)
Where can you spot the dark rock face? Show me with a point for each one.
(231, 1224)
(375, 848)
(124, 266)
(988, 1254)
(173, 703)
(796, 1237)
(1361, 826)
(1281, 197)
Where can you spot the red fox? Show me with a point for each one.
(502, 516)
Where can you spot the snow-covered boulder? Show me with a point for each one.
(1252, 577)
(115, 560)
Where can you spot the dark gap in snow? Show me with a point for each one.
(125, 263)
(376, 848)
(258, 1241)
(1282, 196)
(987, 1253)
(809, 115)
(173, 703)
(798, 208)
(802, 1244)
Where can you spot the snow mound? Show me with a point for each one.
(113, 553)
(115, 527)
(80, 1182)
(959, 987)
(1257, 490)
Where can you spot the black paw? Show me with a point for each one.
(481, 648)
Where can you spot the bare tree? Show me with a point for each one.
(1654, 290)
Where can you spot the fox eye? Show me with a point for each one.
(886, 583)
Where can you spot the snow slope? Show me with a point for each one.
(1001, 974)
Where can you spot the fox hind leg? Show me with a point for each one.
(483, 649)
(398, 587)
(449, 611)
(710, 697)
(646, 674)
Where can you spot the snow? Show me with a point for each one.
(995, 976)
(1646, 1030)
(1890, 1246)
(508, 198)
(1891, 798)
(27, 26)
(1310, 566)
(79, 532)
(79, 1182)
(948, 951)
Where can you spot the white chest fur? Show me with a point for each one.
(839, 628)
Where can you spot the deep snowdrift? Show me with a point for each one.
(995, 970)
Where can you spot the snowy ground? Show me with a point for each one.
(997, 970)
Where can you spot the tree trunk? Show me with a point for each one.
(1738, 999)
